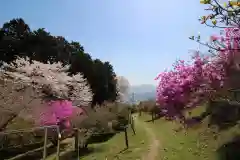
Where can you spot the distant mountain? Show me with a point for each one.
(144, 96)
(142, 88)
(142, 92)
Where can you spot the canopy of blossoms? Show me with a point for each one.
(50, 80)
(188, 85)
(47, 89)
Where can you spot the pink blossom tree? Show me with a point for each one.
(45, 89)
(189, 85)
(207, 78)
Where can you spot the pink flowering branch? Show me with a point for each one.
(189, 85)
(25, 86)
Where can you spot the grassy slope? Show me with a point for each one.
(114, 148)
(197, 143)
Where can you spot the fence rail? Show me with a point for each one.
(45, 139)
(27, 130)
(46, 130)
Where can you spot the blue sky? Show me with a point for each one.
(139, 37)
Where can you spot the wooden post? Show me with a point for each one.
(126, 137)
(58, 143)
(129, 116)
(45, 144)
(76, 139)
(78, 148)
(152, 117)
(140, 113)
(132, 126)
(77, 142)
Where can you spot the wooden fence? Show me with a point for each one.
(46, 130)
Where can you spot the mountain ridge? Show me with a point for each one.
(141, 92)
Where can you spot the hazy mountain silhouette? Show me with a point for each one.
(142, 92)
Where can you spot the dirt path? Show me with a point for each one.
(154, 143)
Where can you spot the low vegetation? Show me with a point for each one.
(200, 141)
(115, 148)
(100, 124)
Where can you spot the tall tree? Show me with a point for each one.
(17, 39)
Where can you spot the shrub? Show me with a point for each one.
(19, 139)
(149, 107)
(102, 122)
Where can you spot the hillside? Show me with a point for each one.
(142, 88)
(200, 142)
(142, 92)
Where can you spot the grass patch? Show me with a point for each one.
(198, 143)
(115, 147)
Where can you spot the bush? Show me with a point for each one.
(99, 121)
(28, 135)
(149, 107)
(223, 114)
(19, 139)
(122, 112)
(133, 108)
(102, 122)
